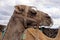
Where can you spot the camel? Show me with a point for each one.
(24, 17)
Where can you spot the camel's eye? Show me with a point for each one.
(33, 13)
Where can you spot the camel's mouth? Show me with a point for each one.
(31, 23)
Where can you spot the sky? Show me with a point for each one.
(51, 7)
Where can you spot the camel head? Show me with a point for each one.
(31, 16)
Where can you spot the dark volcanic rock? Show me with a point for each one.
(50, 32)
(2, 27)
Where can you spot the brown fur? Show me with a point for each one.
(21, 18)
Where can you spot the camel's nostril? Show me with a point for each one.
(47, 16)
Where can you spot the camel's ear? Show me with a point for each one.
(17, 8)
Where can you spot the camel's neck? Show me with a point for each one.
(14, 30)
